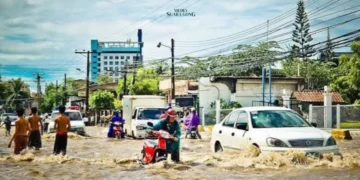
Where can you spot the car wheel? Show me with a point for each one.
(218, 147)
(133, 135)
(254, 150)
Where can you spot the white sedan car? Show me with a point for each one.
(272, 129)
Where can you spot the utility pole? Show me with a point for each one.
(64, 89)
(172, 73)
(125, 74)
(56, 93)
(38, 81)
(135, 65)
(87, 78)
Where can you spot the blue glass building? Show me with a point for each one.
(111, 57)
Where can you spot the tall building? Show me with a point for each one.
(110, 57)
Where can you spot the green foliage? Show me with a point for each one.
(146, 83)
(50, 100)
(316, 74)
(4, 91)
(16, 91)
(301, 35)
(226, 104)
(348, 80)
(117, 104)
(231, 65)
(104, 79)
(102, 100)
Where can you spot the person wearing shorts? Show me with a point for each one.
(21, 132)
(62, 126)
(35, 123)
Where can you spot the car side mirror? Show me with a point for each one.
(314, 124)
(150, 124)
(242, 126)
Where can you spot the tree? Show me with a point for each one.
(104, 79)
(301, 35)
(146, 83)
(117, 104)
(50, 100)
(316, 74)
(17, 91)
(348, 80)
(4, 91)
(102, 100)
(162, 68)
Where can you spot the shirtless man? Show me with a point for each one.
(21, 132)
(62, 125)
(35, 137)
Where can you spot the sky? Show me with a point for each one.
(40, 36)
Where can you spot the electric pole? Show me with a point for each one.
(87, 77)
(64, 89)
(38, 81)
(134, 76)
(125, 74)
(56, 93)
(172, 72)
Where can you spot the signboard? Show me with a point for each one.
(81, 93)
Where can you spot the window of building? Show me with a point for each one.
(127, 57)
(122, 62)
(99, 64)
(105, 69)
(135, 58)
(111, 68)
(94, 56)
(116, 68)
(110, 57)
(117, 63)
(111, 63)
(105, 57)
(122, 57)
(116, 57)
(105, 62)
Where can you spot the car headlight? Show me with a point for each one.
(331, 141)
(275, 142)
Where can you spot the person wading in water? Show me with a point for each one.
(35, 135)
(62, 126)
(21, 132)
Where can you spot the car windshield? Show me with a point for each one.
(277, 119)
(150, 113)
(74, 116)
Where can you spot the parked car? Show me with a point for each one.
(272, 129)
(76, 121)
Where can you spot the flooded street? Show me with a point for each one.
(97, 157)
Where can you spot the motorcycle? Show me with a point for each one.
(155, 151)
(193, 134)
(117, 130)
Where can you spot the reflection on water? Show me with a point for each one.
(99, 158)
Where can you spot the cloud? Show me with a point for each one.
(43, 32)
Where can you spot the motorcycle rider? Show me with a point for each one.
(115, 118)
(192, 120)
(171, 125)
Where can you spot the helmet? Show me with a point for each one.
(171, 113)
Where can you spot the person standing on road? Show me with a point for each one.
(21, 132)
(62, 126)
(35, 135)
(7, 123)
(171, 125)
(192, 121)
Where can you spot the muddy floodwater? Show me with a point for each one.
(97, 157)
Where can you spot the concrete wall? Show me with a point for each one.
(247, 91)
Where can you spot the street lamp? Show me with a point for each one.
(172, 69)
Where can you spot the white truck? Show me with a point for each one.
(140, 109)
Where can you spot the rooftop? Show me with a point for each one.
(316, 96)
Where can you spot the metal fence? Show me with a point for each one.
(339, 116)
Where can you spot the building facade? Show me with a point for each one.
(111, 57)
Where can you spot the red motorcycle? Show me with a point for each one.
(153, 151)
(117, 129)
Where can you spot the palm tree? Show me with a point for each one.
(16, 90)
(161, 68)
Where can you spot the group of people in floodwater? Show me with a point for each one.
(28, 131)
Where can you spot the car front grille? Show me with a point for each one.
(306, 143)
